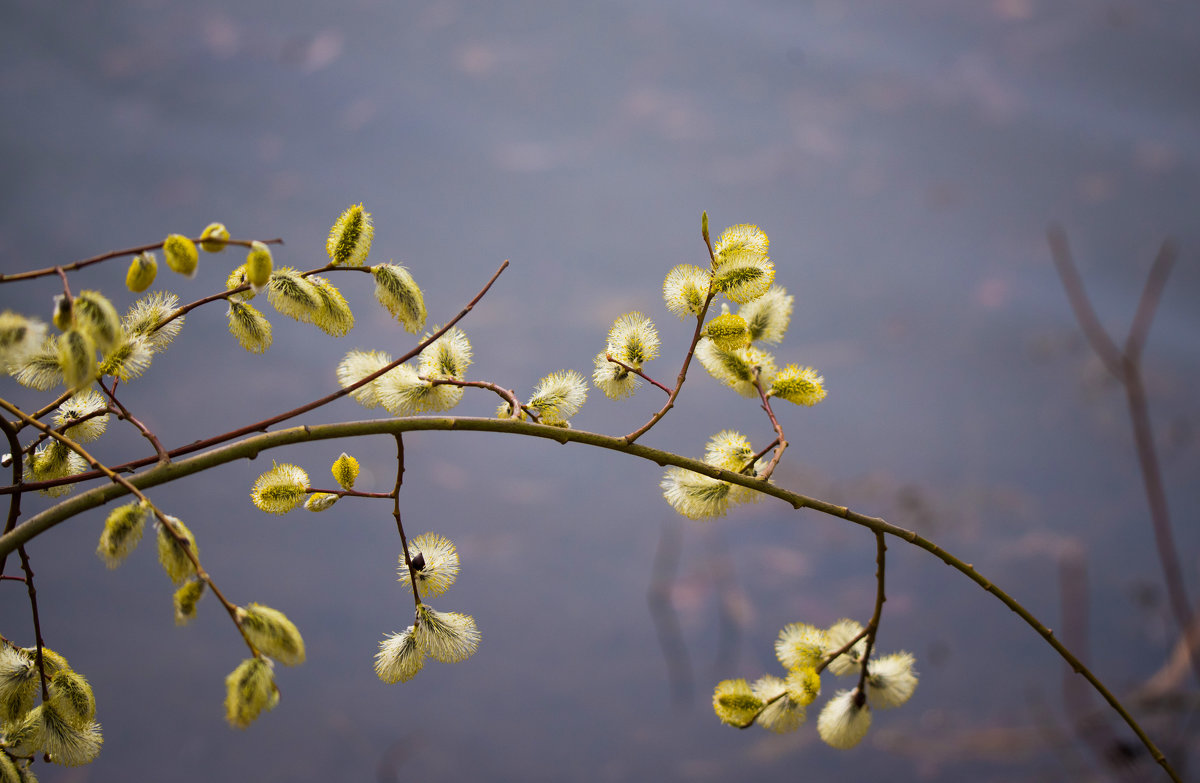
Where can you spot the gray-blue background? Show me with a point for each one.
(905, 159)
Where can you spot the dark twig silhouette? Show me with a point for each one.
(1125, 366)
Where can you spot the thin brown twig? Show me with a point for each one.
(37, 623)
(348, 493)
(262, 426)
(18, 468)
(635, 371)
(132, 251)
(408, 561)
(123, 413)
(750, 463)
(687, 360)
(779, 438)
(872, 628)
(508, 395)
(45, 410)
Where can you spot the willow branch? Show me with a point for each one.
(132, 251)
(251, 447)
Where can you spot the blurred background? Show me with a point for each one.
(905, 160)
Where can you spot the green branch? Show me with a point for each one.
(251, 447)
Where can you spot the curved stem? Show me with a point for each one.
(687, 360)
(408, 561)
(508, 395)
(18, 468)
(123, 412)
(872, 629)
(780, 440)
(250, 447)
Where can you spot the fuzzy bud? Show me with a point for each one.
(142, 271)
(345, 470)
(172, 552)
(180, 254)
(214, 237)
(350, 237)
(249, 689)
(258, 265)
(77, 358)
(272, 633)
(186, 598)
(122, 532)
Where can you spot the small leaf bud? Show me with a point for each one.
(142, 271)
(249, 689)
(272, 632)
(122, 532)
(214, 237)
(258, 266)
(320, 501)
(180, 254)
(173, 554)
(186, 598)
